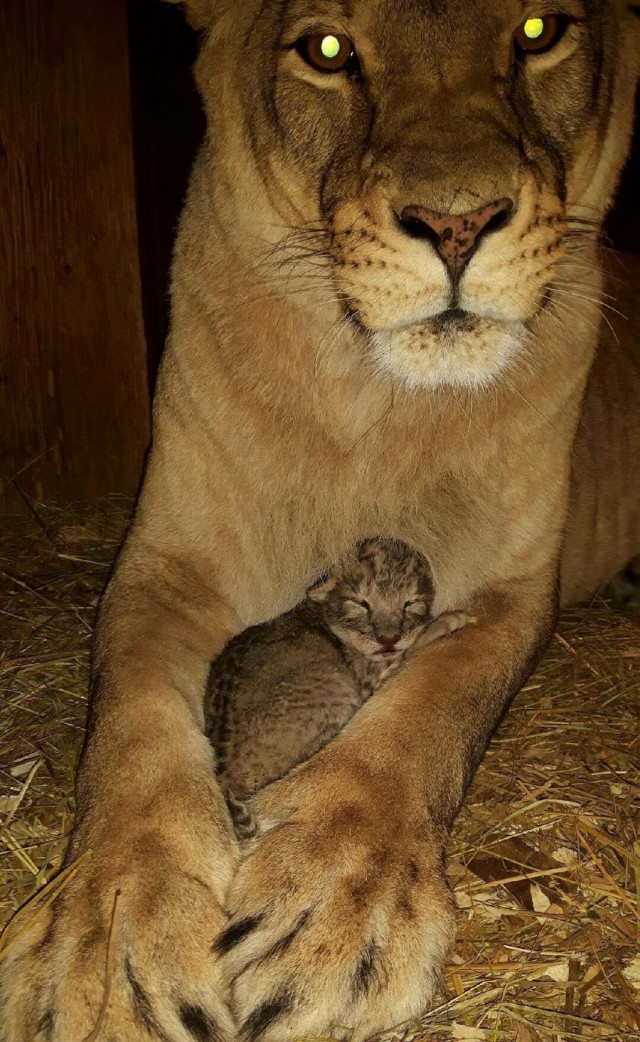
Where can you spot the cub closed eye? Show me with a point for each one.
(537, 35)
(327, 52)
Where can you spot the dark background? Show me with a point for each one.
(99, 123)
(168, 124)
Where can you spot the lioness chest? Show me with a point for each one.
(475, 514)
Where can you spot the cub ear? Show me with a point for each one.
(201, 14)
(320, 592)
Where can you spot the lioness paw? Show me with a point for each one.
(341, 921)
(160, 983)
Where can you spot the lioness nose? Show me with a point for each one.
(456, 237)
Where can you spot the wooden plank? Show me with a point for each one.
(74, 403)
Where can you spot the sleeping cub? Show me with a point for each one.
(280, 691)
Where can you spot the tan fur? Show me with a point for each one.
(308, 397)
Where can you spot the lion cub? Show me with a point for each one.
(280, 691)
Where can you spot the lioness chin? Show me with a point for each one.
(385, 313)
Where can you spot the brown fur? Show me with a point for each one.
(280, 691)
(312, 393)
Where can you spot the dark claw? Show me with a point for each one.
(366, 969)
(47, 1024)
(142, 1004)
(288, 939)
(236, 933)
(264, 1016)
(199, 1025)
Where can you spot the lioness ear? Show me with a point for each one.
(201, 14)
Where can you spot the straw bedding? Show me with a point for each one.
(544, 859)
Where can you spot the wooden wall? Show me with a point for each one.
(74, 403)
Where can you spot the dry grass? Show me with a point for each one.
(544, 860)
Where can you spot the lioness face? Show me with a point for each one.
(444, 159)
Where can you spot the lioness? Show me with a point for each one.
(385, 311)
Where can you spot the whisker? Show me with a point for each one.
(576, 312)
(384, 419)
(326, 346)
(516, 390)
(593, 270)
(584, 286)
(592, 300)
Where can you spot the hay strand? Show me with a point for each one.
(544, 860)
(109, 966)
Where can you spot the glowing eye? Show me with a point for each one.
(541, 34)
(534, 28)
(330, 48)
(327, 52)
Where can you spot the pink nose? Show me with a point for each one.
(456, 237)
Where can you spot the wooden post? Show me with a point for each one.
(74, 402)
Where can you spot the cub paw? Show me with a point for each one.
(445, 626)
(243, 817)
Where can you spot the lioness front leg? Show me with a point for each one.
(152, 824)
(342, 917)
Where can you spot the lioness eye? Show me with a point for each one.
(326, 52)
(540, 34)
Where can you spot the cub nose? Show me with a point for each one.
(456, 237)
(388, 644)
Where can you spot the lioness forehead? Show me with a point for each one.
(420, 22)
(446, 41)
(418, 14)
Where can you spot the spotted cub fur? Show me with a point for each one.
(282, 690)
